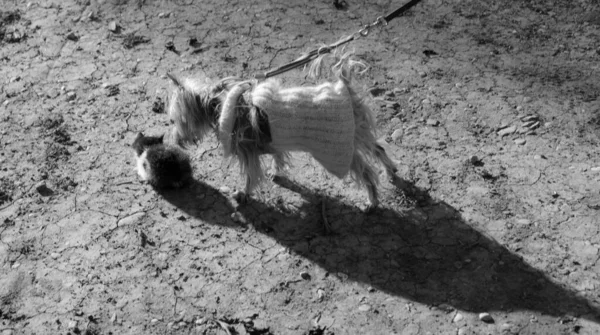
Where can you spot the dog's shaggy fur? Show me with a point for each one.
(244, 130)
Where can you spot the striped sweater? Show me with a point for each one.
(317, 119)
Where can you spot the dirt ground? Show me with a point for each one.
(490, 109)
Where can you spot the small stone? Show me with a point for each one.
(182, 324)
(523, 222)
(78, 313)
(113, 318)
(113, 26)
(164, 15)
(519, 108)
(458, 85)
(458, 318)
(433, 122)
(342, 276)
(71, 96)
(200, 321)
(474, 159)
(224, 190)
(16, 265)
(528, 118)
(154, 321)
(55, 255)
(486, 317)
(422, 74)
(507, 131)
(364, 307)
(595, 169)
(170, 325)
(370, 289)
(462, 331)
(320, 294)
(397, 135)
(72, 37)
(72, 324)
(43, 190)
(305, 275)
(520, 141)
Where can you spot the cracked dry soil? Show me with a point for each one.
(489, 108)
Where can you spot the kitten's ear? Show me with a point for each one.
(139, 135)
(175, 80)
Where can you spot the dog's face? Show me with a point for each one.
(190, 111)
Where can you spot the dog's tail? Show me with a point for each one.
(342, 67)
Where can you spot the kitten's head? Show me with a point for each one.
(142, 142)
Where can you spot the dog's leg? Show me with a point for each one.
(390, 167)
(277, 166)
(250, 165)
(364, 173)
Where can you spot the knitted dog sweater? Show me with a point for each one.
(317, 119)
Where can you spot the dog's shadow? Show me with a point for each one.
(428, 254)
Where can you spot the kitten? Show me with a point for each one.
(162, 165)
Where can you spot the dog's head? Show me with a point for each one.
(194, 107)
(191, 109)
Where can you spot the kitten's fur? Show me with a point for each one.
(162, 165)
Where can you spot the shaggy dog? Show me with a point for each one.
(329, 121)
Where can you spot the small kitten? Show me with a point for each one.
(162, 165)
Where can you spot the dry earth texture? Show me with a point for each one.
(489, 108)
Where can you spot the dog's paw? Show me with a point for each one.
(368, 208)
(240, 197)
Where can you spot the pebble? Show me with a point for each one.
(43, 190)
(320, 294)
(55, 255)
(486, 317)
(200, 321)
(16, 265)
(164, 15)
(520, 141)
(71, 96)
(397, 135)
(224, 189)
(458, 318)
(462, 331)
(507, 131)
(154, 321)
(595, 169)
(523, 222)
(305, 275)
(364, 307)
(528, 118)
(72, 324)
(112, 26)
(422, 74)
(113, 318)
(433, 122)
(474, 159)
(342, 276)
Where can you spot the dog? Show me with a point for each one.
(330, 121)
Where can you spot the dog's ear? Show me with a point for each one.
(175, 80)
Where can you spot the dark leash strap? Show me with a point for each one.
(313, 54)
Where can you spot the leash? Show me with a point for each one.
(313, 54)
